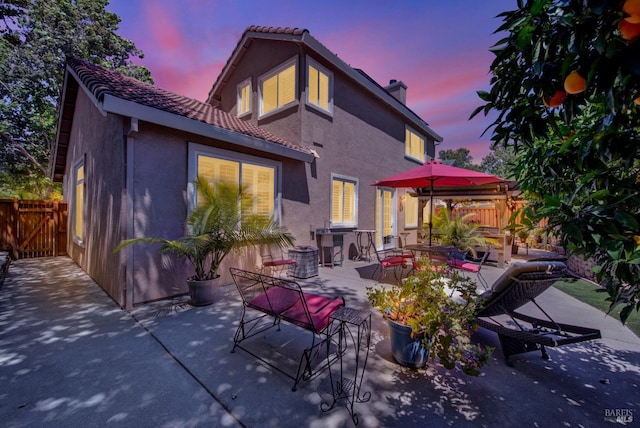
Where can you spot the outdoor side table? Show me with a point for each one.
(354, 338)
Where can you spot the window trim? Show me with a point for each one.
(424, 145)
(80, 163)
(329, 74)
(355, 181)
(239, 87)
(196, 150)
(274, 71)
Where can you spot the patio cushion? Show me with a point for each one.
(275, 300)
(320, 308)
(393, 261)
(279, 262)
(464, 265)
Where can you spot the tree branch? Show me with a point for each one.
(20, 148)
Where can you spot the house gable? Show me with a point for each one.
(308, 44)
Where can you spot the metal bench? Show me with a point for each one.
(268, 300)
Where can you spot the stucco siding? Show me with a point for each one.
(100, 141)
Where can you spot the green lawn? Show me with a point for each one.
(585, 291)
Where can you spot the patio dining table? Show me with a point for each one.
(435, 253)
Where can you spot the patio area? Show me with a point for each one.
(70, 356)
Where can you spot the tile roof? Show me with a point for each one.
(101, 81)
(277, 30)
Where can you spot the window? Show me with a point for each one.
(78, 202)
(344, 201)
(278, 88)
(244, 97)
(410, 211)
(414, 145)
(319, 86)
(260, 177)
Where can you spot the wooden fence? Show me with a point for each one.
(33, 228)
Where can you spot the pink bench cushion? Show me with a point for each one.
(320, 308)
(464, 265)
(275, 300)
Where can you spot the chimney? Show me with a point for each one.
(398, 90)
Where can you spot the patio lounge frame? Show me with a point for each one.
(521, 333)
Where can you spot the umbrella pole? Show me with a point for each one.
(422, 202)
(430, 211)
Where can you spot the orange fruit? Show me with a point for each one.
(574, 83)
(628, 30)
(632, 8)
(637, 101)
(554, 101)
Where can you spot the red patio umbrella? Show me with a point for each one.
(435, 175)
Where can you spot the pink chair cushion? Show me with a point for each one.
(280, 262)
(276, 300)
(393, 261)
(464, 265)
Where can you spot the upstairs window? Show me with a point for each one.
(244, 97)
(344, 201)
(278, 88)
(414, 145)
(319, 86)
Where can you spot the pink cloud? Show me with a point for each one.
(163, 29)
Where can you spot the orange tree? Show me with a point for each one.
(577, 154)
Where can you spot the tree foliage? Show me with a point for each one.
(36, 37)
(499, 162)
(462, 157)
(576, 154)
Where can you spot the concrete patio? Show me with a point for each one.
(69, 356)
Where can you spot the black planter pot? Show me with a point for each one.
(202, 293)
(407, 351)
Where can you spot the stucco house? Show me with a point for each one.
(307, 132)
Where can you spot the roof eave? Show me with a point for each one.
(122, 107)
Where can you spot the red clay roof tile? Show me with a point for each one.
(100, 81)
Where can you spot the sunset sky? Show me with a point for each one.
(438, 48)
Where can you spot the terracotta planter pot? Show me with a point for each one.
(407, 351)
(202, 293)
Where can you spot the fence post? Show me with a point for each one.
(14, 227)
(55, 214)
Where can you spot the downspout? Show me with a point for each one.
(129, 211)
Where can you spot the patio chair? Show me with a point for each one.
(521, 283)
(394, 259)
(468, 264)
(274, 263)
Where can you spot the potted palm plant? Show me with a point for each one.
(432, 315)
(459, 232)
(219, 224)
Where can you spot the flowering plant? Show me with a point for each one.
(441, 306)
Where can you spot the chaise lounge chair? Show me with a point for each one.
(521, 283)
